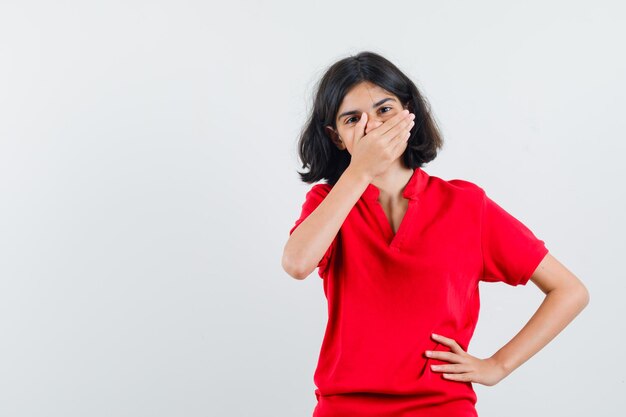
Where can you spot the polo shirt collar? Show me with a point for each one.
(411, 190)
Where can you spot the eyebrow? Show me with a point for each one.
(356, 112)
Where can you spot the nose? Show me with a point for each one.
(372, 123)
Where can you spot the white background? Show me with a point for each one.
(148, 183)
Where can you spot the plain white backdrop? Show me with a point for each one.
(148, 183)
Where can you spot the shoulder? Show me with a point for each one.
(459, 188)
(317, 193)
(319, 190)
(465, 185)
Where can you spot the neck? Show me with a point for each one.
(392, 181)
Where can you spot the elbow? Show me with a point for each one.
(584, 296)
(576, 292)
(294, 268)
(576, 295)
(580, 295)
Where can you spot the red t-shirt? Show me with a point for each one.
(388, 292)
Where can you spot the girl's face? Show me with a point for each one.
(379, 105)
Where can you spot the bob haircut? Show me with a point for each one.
(315, 147)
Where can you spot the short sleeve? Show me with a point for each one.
(511, 252)
(313, 198)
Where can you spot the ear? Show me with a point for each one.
(334, 137)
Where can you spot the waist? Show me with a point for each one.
(391, 405)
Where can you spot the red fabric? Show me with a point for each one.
(388, 292)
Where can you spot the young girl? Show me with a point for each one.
(401, 254)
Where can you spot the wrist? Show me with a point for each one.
(500, 364)
(358, 176)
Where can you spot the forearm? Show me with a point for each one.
(559, 307)
(308, 243)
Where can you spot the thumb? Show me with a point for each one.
(359, 131)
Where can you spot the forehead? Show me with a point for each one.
(363, 94)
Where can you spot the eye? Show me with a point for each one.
(354, 117)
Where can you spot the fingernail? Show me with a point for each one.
(435, 335)
(428, 353)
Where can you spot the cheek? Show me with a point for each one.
(345, 132)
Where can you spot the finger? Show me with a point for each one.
(451, 343)
(401, 140)
(442, 339)
(389, 124)
(444, 356)
(398, 132)
(359, 128)
(454, 369)
(401, 145)
(465, 377)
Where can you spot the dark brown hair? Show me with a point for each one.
(321, 155)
